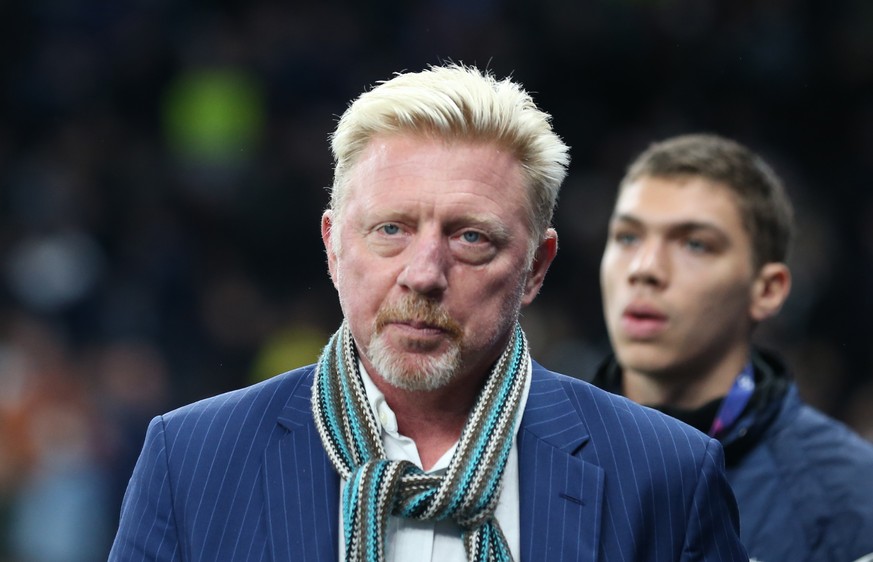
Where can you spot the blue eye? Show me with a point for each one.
(697, 246)
(390, 228)
(625, 238)
(472, 237)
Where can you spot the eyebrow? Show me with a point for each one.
(683, 226)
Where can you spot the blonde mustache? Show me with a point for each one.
(418, 309)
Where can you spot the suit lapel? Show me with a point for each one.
(561, 495)
(300, 486)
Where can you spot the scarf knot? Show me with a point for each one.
(377, 487)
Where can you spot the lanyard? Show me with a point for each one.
(735, 401)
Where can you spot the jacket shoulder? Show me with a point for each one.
(262, 393)
(812, 473)
(812, 446)
(617, 417)
(656, 473)
(821, 437)
(238, 416)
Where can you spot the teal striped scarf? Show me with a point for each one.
(376, 487)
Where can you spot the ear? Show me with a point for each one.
(326, 237)
(543, 257)
(769, 291)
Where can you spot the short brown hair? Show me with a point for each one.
(765, 208)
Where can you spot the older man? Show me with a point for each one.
(425, 431)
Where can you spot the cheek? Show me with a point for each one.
(612, 269)
(481, 297)
(608, 286)
(512, 297)
(359, 286)
(721, 303)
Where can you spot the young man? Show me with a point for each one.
(425, 431)
(695, 259)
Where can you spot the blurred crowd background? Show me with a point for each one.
(164, 163)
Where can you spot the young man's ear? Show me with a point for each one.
(543, 258)
(769, 291)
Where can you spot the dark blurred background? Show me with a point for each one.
(163, 166)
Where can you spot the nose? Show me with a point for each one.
(649, 264)
(425, 270)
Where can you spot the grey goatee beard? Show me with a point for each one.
(410, 370)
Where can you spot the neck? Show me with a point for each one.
(433, 419)
(687, 386)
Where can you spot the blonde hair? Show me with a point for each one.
(457, 103)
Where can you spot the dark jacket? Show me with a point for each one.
(243, 476)
(803, 481)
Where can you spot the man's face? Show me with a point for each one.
(677, 277)
(431, 262)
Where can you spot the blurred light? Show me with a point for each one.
(51, 272)
(213, 117)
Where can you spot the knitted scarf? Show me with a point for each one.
(376, 487)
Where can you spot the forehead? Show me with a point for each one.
(409, 168)
(679, 200)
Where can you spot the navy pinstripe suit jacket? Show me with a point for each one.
(243, 477)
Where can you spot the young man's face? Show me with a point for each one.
(677, 277)
(430, 258)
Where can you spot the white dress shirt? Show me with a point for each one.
(438, 541)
